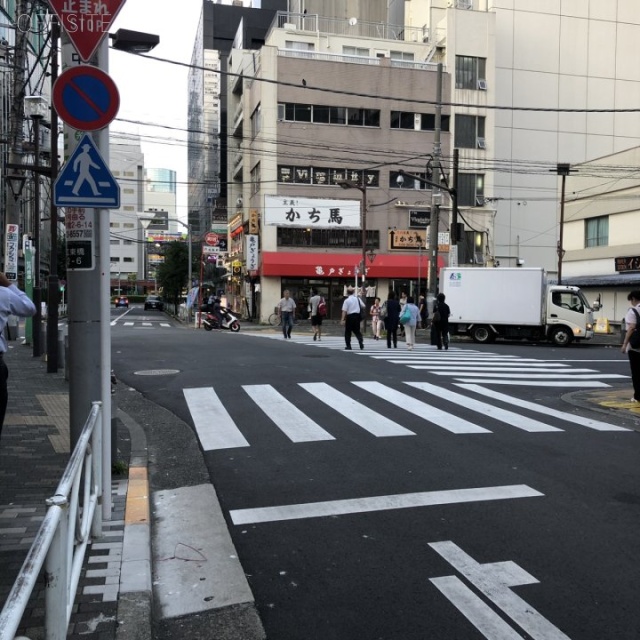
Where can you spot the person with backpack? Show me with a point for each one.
(630, 346)
(318, 310)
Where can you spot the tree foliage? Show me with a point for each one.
(172, 274)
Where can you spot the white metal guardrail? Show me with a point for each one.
(60, 544)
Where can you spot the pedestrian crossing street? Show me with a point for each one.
(468, 365)
(451, 410)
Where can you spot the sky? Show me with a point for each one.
(155, 93)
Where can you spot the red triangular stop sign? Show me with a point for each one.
(86, 22)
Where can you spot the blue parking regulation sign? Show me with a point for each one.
(86, 181)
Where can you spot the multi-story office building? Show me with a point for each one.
(126, 161)
(329, 103)
(523, 67)
(207, 152)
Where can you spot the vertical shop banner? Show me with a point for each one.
(11, 253)
(251, 252)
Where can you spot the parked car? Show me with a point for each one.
(154, 302)
(121, 301)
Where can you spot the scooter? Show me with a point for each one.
(229, 321)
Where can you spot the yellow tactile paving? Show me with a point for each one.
(137, 506)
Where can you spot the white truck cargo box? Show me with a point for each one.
(513, 296)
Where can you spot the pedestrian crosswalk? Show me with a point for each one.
(414, 403)
(141, 324)
(467, 365)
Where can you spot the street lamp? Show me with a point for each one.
(36, 107)
(350, 184)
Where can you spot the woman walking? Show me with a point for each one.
(411, 324)
(392, 320)
(376, 323)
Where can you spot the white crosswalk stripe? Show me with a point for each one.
(287, 417)
(142, 323)
(532, 406)
(218, 430)
(366, 418)
(468, 365)
(509, 417)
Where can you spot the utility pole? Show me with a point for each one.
(16, 128)
(436, 194)
(53, 288)
(453, 231)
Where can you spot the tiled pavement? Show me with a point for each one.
(34, 451)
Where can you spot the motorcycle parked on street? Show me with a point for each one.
(228, 320)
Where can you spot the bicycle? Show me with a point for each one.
(276, 321)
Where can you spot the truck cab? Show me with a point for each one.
(568, 315)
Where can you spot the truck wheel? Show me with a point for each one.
(482, 335)
(561, 337)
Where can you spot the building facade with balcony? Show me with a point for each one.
(322, 105)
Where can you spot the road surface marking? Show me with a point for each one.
(488, 367)
(215, 427)
(380, 503)
(369, 420)
(295, 424)
(475, 610)
(583, 384)
(532, 406)
(421, 409)
(534, 376)
(511, 418)
(494, 580)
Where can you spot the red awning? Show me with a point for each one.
(342, 265)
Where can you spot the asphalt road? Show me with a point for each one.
(369, 498)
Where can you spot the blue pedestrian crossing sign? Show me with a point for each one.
(85, 180)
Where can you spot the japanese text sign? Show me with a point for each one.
(86, 22)
(311, 213)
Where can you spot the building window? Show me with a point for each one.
(114, 225)
(422, 121)
(356, 51)
(469, 132)
(471, 72)
(401, 55)
(407, 182)
(299, 46)
(256, 122)
(128, 259)
(325, 114)
(331, 238)
(596, 232)
(114, 242)
(255, 178)
(128, 225)
(470, 190)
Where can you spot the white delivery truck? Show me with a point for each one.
(514, 304)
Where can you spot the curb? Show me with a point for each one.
(135, 602)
